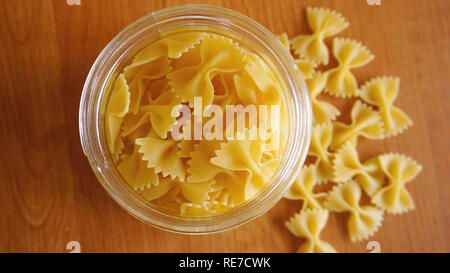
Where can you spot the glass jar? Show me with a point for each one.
(250, 35)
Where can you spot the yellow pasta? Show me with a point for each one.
(350, 54)
(365, 122)
(302, 189)
(117, 108)
(172, 47)
(347, 166)
(230, 189)
(308, 224)
(186, 148)
(284, 40)
(382, 93)
(162, 155)
(225, 92)
(324, 23)
(364, 221)
(160, 112)
(135, 171)
(306, 67)
(201, 168)
(196, 193)
(185, 176)
(216, 55)
(393, 197)
(250, 152)
(156, 191)
(333, 143)
(139, 79)
(321, 138)
(266, 91)
(323, 111)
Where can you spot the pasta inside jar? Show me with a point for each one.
(195, 119)
(196, 124)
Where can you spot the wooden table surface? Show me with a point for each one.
(49, 195)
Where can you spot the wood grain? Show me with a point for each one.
(49, 196)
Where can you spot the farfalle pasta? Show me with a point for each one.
(333, 143)
(136, 172)
(118, 106)
(393, 197)
(346, 165)
(365, 122)
(215, 55)
(139, 77)
(324, 23)
(323, 111)
(201, 168)
(161, 154)
(172, 47)
(350, 54)
(308, 224)
(302, 189)
(306, 67)
(249, 160)
(159, 89)
(364, 220)
(321, 138)
(382, 92)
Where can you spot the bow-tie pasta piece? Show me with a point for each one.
(382, 93)
(321, 138)
(172, 47)
(156, 191)
(249, 160)
(346, 166)
(400, 169)
(118, 107)
(186, 148)
(349, 54)
(201, 168)
(197, 193)
(217, 55)
(308, 224)
(132, 123)
(267, 88)
(250, 94)
(365, 122)
(364, 221)
(231, 188)
(136, 173)
(306, 67)
(225, 90)
(139, 79)
(162, 155)
(323, 111)
(160, 112)
(302, 189)
(324, 23)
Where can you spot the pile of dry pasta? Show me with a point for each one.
(191, 176)
(333, 144)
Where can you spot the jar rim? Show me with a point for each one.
(299, 111)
